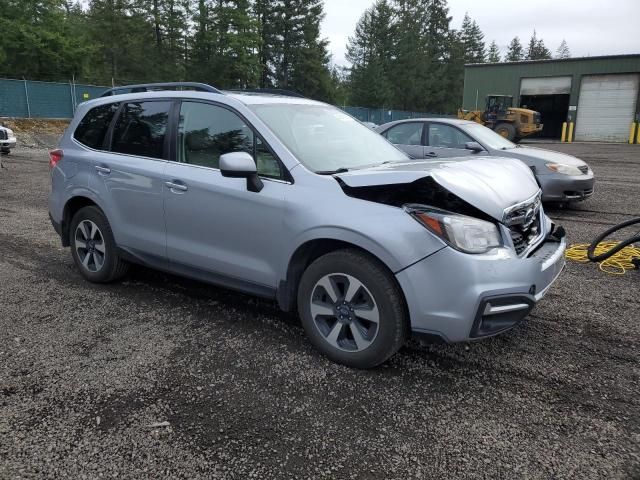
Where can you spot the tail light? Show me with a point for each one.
(54, 157)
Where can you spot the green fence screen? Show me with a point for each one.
(33, 99)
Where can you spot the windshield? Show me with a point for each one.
(325, 139)
(488, 137)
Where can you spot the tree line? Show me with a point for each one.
(403, 53)
(227, 43)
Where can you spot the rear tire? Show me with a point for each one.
(506, 130)
(352, 309)
(93, 247)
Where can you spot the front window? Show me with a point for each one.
(445, 136)
(326, 139)
(205, 132)
(487, 137)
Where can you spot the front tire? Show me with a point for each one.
(93, 247)
(352, 309)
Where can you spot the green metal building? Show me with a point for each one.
(599, 94)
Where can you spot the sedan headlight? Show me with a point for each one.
(564, 169)
(467, 234)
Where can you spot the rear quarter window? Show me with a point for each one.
(141, 128)
(93, 127)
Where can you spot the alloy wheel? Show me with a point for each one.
(90, 246)
(344, 312)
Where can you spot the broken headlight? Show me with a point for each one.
(467, 234)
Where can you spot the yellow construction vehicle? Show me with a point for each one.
(499, 115)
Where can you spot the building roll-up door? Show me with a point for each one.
(545, 86)
(606, 107)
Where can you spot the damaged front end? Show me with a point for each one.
(470, 205)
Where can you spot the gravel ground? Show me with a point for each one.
(161, 377)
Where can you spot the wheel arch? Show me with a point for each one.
(73, 205)
(306, 254)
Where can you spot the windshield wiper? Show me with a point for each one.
(332, 172)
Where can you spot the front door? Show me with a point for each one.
(214, 224)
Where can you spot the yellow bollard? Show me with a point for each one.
(570, 136)
(564, 132)
(632, 132)
(638, 137)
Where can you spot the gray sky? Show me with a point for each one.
(591, 27)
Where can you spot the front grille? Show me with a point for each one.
(524, 236)
(525, 223)
(584, 169)
(3, 135)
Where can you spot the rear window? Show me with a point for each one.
(141, 128)
(94, 125)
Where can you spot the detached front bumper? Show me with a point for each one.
(566, 188)
(456, 296)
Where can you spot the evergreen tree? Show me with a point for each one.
(563, 50)
(35, 41)
(454, 80)
(370, 52)
(121, 35)
(493, 56)
(266, 14)
(438, 55)
(537, 49)
(515, 51)
(473, 40)
(235, 42)
(310, 71)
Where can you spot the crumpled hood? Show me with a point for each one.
(490, 184)
(547, 156)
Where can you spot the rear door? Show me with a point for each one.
(214, 224)
(444, 140)
(130, 177)
(409, 137)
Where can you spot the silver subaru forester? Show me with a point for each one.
(292, 199)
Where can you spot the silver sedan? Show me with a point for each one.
(563, 178)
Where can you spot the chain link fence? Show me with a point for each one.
(35, 99)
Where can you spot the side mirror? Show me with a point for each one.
(475, 147)
(241, 165)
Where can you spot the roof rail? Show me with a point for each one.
(149, 87)
(269, 91)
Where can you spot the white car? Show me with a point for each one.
(7, 139)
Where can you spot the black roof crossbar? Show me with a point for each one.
(150, 87)
(268, 91)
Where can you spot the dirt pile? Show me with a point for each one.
(36, 132)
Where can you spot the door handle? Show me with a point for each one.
(103, 170)
(176, 186)
(431, 154)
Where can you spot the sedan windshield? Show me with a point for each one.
(488, 137)
(325, 139)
